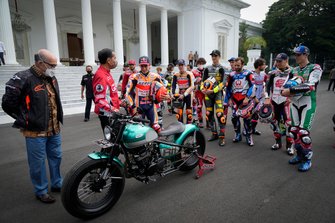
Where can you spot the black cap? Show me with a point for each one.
(231, 59)
(281, 57)
(181, 61)
(215, 52)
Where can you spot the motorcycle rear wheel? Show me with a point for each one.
(85, 194)
(192, 162)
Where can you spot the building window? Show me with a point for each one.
(222, 45)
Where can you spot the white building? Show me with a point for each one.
(77, 29)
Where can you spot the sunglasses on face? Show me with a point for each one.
(51, 65)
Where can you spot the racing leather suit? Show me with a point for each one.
(259, 88)
(217, 72)
(199, 97)
(240, 85)
(303, 107)
(138, 95)
(185, 82)
(281, 105)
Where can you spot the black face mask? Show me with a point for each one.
(89, 72)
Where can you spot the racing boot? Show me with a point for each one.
(295, 160)
(201, 123)
(238, 137)
(278, 144)
(222, 141)
(289, 146)
(213, 137)
(256, 132)
(249, 139)
(305, 165)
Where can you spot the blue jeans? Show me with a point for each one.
(39, 148)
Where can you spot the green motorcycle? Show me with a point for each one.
(95, 184)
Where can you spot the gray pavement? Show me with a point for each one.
(248, 185)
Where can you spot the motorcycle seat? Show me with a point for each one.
(173, 128)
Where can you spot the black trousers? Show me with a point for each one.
(2, 59)
(88, 107)
(331, 82)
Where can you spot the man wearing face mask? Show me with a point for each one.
(32, 99)
(86, 81)
(106, 98)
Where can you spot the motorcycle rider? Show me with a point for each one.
(184, 80)
(140, 84)
(259, 89)
(281, 105)
(199, 97)
(213, 84)
(239, 90)
(168, 76)
(106, 98)
(303, 105)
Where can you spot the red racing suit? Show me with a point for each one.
(106, 98)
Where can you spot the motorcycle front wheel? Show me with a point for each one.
(188, 155)
(89, 189)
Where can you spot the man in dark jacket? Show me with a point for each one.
(86, 82)
(32, 99)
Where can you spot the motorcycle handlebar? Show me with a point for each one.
(136, 119)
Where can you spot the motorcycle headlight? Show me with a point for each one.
(108, 133)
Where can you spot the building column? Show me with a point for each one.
(180, 24)
(143, 29)
(6, 33)
(51, 27)
(164, 38)
(86, 15)
(118, 37)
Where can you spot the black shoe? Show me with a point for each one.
(56, 189)
(86, 120)
(222, 142)
(256, 132)
(213, 137)
(46, 198)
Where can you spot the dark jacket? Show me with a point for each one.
(26, 100)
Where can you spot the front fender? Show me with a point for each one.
(189, 128)
(99, 155)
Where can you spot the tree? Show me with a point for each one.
(254, 42)
(290, 23)
(243, 37)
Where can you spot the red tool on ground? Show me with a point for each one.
(206, 162)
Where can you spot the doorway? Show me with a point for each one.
(75, 48)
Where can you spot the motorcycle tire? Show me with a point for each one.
(86, 173)
(193, 161)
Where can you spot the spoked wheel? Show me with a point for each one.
(188, 154)
(89, 189)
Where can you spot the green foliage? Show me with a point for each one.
(309, 22)
(254, 42)
(243, 37)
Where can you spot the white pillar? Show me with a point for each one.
(143, 30)
(6, 33)
(118, 37)
(164, 38)
(86, 15)
(51, 27)
(180, 24)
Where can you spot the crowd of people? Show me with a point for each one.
(285, 98)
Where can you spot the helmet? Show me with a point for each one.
(245, 111)
(265, 113)
(157, 91)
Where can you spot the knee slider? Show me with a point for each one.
(293, 132)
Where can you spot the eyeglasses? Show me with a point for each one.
(51, 65)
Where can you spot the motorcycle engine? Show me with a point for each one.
(146, 161)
